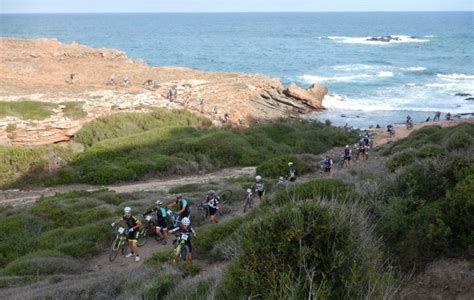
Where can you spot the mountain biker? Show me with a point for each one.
(259, 186)
(133, 224)
(390, 130)
(409, 122)
(212, 201)
(182, 206)
(162, 221)
(291, 172)
(327, 163)
(187, 229)
(448, 116)
(347, 156)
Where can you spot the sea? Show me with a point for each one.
(427, 61)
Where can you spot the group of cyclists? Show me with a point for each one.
(167, 221)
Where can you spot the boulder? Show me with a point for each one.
(463, 95)
(469, 99)
(312, 97)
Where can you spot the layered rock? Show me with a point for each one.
(50, 71)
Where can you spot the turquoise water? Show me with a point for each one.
(369, 82)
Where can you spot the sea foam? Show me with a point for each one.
(396, 39)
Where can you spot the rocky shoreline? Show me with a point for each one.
(106, 81)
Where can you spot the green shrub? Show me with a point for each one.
(26, 109)
(209, 235)
(43, 263)
(125, 124)
(278, 166)
(307, 249)
(159, 257)
(430, 150)
(401, 159)
(458, 140)
(316, 189)
(73, 110)
(23, 165)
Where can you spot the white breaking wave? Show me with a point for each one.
(370, 40)
(414, 69)
(356, 67)
(343, 103)
(456, 76)
(316, 79)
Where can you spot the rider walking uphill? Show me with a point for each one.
(213, 200)
(259, 186)
(162, 220)
(186, 229)
(133, 225)
(182, 207)
(291, 172)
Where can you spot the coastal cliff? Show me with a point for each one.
(106, 81)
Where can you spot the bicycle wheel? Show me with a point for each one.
(142, 237)
(203, 212)
(225, 196)
(184, 252)
(115, 249)
(247, 203)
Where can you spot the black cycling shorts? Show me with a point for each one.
(347, 158)
(327, 170)
(260, 193)
(162, 224)
(212, 211)
(133, 236)
(292, 179)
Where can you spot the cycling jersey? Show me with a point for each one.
(189, 231)
(213, 202)
(260, 186)
(130, 221)
(179, 206)
(347, 152)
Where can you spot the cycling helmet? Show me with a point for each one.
(185, 221)
(211, 192)
(127, 210)
(258, 178)
(179, 195)
(347, 146)
(290, 164)
(158, 202)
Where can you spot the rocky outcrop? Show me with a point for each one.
(106, 81)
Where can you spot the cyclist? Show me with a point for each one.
(162, 221)
(182, 206)
(259, 187)
(186, 228)
(327, 163)
(347, 156)
(390, 130)
(409, 122)
(212, 201)
(291, 172)
(133, 224)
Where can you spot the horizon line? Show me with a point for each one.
(232, 12)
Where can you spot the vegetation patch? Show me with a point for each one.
(73, 110)
(26, 109)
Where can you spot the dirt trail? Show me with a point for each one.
(401, 132)
(20, 198)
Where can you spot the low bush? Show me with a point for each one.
(47, 265)
(125, 124)
(308, 249)
(278, 166)
(26, 109)
(458, 140)
(73, 110)
(211, 234)
(23, 165)
(316, 189)
(401, 159)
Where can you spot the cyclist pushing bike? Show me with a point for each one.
(259, 186)
(212, 201)
(133, 225)
(182, 206)
(188, 231)
(162, 223)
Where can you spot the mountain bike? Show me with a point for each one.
(181, 250)
(249, 199)
(144, 231)
(203, 208)
(119, 243)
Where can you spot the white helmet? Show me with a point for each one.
(185, 221)
(127, 210)
(158, 202)
(258, 178)
(347, 146)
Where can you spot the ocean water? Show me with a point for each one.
(369, 82)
